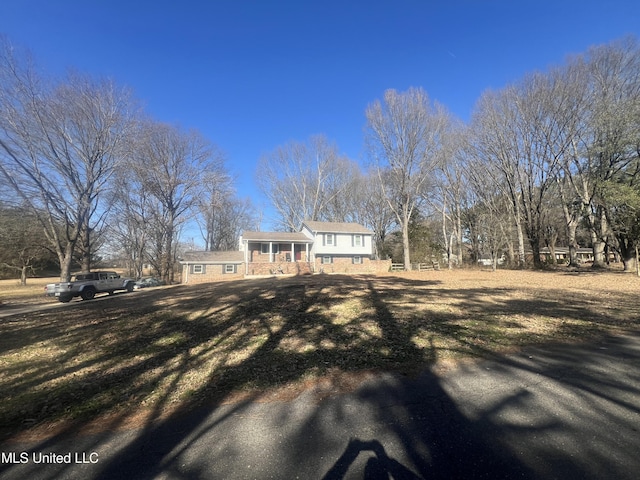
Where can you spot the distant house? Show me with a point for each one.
(328, 247)
(584, 255)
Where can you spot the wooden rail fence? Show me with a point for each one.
(399, 267)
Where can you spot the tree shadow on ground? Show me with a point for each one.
(257, 335)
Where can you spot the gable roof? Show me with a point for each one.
(284, 237)
(232, 256)
(336, 227)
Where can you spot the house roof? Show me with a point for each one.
(284, 237)
(336, 227)
(233, 256)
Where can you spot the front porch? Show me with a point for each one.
(274, 252)
(272, 258)
(268, 253)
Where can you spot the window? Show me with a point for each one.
(264, 248)
(198, 269)
(326, 259)
(229, 269)
(357, 259)
(357, 241)
(329, 239)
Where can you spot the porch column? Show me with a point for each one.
(293, 252)
(271, 252)
(306, 252)
(246, 257)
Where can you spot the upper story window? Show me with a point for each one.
(329, 239)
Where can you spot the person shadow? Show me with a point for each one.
(378, 467)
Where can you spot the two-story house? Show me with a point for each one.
(329, 247)
(318, 246)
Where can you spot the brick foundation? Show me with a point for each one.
(289, 268)
(346, 265)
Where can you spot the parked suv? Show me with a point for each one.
(86, 285)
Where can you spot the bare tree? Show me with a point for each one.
(223, 218)
(130, 222)
(304, 181)
(60, 144)
(523, 134)
(493, 127)
(490, 219)
(170, 165)
(451, 191)
(23, 246)
(405, 141)
(611, 146)
(371, 209)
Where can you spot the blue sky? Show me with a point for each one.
(252, 75)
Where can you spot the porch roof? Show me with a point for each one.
(276, 237)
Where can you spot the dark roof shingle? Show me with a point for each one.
(336, 227)
(284, 237)
(232, 256)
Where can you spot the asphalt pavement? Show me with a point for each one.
(565, 412)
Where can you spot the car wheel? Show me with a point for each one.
(130, 287)
(88, 293)
(64, 299)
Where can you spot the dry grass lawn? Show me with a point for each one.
(150, 352)
(12, 293)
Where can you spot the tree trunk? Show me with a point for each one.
(65, 258)
(573, 245)
(459, 234)
(535, 249)
(510, 253)
(23, 275)
(405, 242)
(628, 253)
(552, 253)
(598, 223)
(629, 260)
(445, 237)
(571, 222)
(521, 257)
(85, 239)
